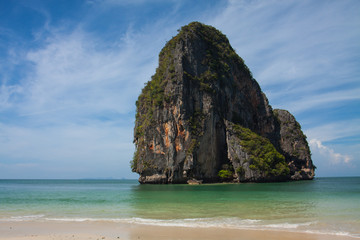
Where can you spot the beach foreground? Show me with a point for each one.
(123, 209)
(33, 230)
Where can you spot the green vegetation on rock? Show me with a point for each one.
(219, 57)
(240, 171)
(225, 174)
(291, 131)
(263, 155)
(193, 145)
(196, 129)
(134, 162)
(153, 94)
(195, 123)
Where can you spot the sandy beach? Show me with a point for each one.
(107, 230)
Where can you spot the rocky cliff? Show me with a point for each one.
(203, 116)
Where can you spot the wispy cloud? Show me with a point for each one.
(75, 73)
(75, 106)
(326, 132)
(301, 103)
(330, 154)
(67, 96)
(6, 93)
(300, 52)
(70, 73)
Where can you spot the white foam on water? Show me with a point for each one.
(74, 219)
(228, 223)
(288, 225)
(339, 233)
(197, 222)
(22, 218)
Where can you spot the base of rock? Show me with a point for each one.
(153, 179)
(194, 182)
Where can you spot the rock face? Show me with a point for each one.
(294, 146)
(203, 116)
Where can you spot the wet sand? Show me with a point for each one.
(114, 231)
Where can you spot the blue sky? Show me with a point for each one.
(71, 71)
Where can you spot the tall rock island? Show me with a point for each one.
(203, 117)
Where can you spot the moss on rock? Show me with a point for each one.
(263, 155)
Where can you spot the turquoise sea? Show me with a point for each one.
(324, 205)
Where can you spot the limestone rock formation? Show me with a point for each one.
(294, 146)
(202, 116)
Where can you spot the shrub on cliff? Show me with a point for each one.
(263, 155)
(225, 174)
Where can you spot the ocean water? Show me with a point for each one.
(324, 205)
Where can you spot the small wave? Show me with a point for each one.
(196, 222)
(189, 222)
(22, 218)
(228, 223)
(337, 233)
(288, 225)
(76, 219)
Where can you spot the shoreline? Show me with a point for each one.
(36, 230)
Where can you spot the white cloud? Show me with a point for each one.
(298, 102)
(77, 75)
(300, 49)
(334, 130)
(331, 156)
(6, 93)
(75, 108)
(72, 75)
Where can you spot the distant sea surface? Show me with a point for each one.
(324, 205)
